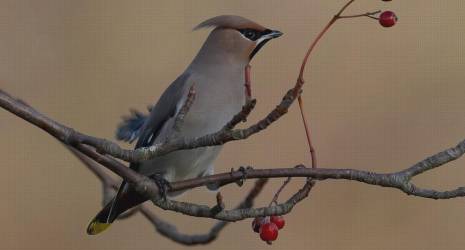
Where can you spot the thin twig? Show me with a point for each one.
(307, 133)
(281, 188)
(300, 79)
(368, 14)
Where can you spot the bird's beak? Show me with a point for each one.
(273, 34)
(266, 36)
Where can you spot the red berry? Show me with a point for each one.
(388, 19)
(257, 223)
(278, 220)
(269, 232)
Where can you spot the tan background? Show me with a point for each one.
(377, 99)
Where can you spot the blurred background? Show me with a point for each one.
(377, 99)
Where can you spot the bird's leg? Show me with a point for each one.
(162, 183)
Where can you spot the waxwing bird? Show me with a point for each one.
(218, 74)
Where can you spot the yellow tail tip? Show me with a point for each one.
(96, 227)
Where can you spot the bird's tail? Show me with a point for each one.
(102, 220)
(123, 201)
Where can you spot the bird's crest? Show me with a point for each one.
(231, 22)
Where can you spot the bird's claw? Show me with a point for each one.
(244, 171)
(162, 183)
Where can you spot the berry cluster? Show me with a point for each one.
(268, 227)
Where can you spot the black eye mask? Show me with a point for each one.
(252, 34)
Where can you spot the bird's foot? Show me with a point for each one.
(244, 171)
(162, 183)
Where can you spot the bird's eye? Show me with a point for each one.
(250, 34)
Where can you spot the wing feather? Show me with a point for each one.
(164, 110)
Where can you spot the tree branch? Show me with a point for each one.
(71, 137)
(399, 180)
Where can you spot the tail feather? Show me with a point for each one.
(118, 205)
(101, 221)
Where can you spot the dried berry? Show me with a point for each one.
(257, 223)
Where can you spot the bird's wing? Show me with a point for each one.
(166, 108)
(137, 123)
(131, 126)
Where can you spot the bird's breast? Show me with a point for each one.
(217, 100)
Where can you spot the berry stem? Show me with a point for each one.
(368, 14)
(307, 132)
(300, 82)
(300, 79)
(276, 195)
(344, 8)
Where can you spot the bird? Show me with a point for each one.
(217, 74)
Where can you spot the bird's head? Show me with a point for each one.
(237, 36)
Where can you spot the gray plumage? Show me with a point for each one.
(217, 73)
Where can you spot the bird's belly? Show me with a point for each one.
(207, 118)
(182, 165)
(192, 163)
(212, 108)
